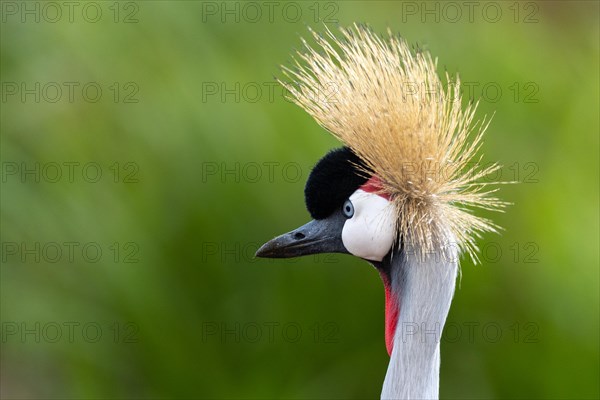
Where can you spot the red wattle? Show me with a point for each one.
(391, 314)
(375, 186)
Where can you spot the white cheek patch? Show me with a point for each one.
(369, 234)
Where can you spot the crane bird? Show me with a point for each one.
(399, 193)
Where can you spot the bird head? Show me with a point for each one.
(408, 178)
(351, 213)
(409, 170)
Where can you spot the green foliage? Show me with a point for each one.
(202, 159)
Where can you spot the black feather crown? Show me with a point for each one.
(333, 179)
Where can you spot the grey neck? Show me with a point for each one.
(423, 287)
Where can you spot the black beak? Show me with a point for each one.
(318, 236)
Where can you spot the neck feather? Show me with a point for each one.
(421, 289)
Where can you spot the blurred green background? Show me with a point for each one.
(140, 282)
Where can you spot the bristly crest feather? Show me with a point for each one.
(388, 104)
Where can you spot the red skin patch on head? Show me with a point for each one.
(373, 185)
(392, 309)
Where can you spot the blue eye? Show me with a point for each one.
(348, 209)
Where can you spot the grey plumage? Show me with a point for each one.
(424, 287)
